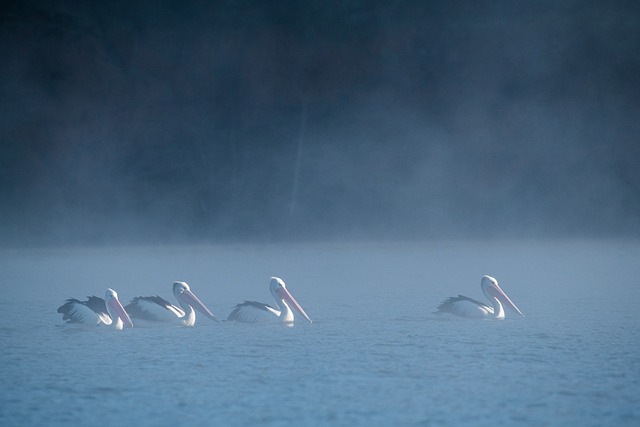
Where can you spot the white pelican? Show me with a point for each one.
(468, 307)
(257, 312)
(96, 311)
(157, 309)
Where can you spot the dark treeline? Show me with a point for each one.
(205, 121)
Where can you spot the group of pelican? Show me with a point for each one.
(155, 309)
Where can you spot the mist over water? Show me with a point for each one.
(159, 122)
(377, 156)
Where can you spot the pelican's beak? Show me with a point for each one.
(291, 301)
(120, 312)
(497, 292)
(190, 298)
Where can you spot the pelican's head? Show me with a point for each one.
(279, 290)
(185, 297)
(276, 284)
(179, 288)
(491, 289)
(115, 309)
(110, 294)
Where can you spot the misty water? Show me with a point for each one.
(374, 355)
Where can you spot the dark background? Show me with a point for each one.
(198, 121)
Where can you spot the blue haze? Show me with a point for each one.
(375, 355)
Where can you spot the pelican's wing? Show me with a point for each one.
(90, 312)
(253, 312)
(465, 307)
(155, 309)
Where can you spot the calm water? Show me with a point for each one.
(375, 355)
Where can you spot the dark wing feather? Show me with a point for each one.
(234, 315)
(71, 311)
(449, 305)
(97, 304)
(137, 311)
(155, 299)
(475, 301)
(66, 308)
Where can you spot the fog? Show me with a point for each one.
(173, 122)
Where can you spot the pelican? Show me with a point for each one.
(257, 312)
(468, 307)
(158, 309)
(96, 311)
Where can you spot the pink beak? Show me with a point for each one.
(291, 301)
(190, 298)
(120, 312)
(499, 293)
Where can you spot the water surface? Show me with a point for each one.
(375, 354)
